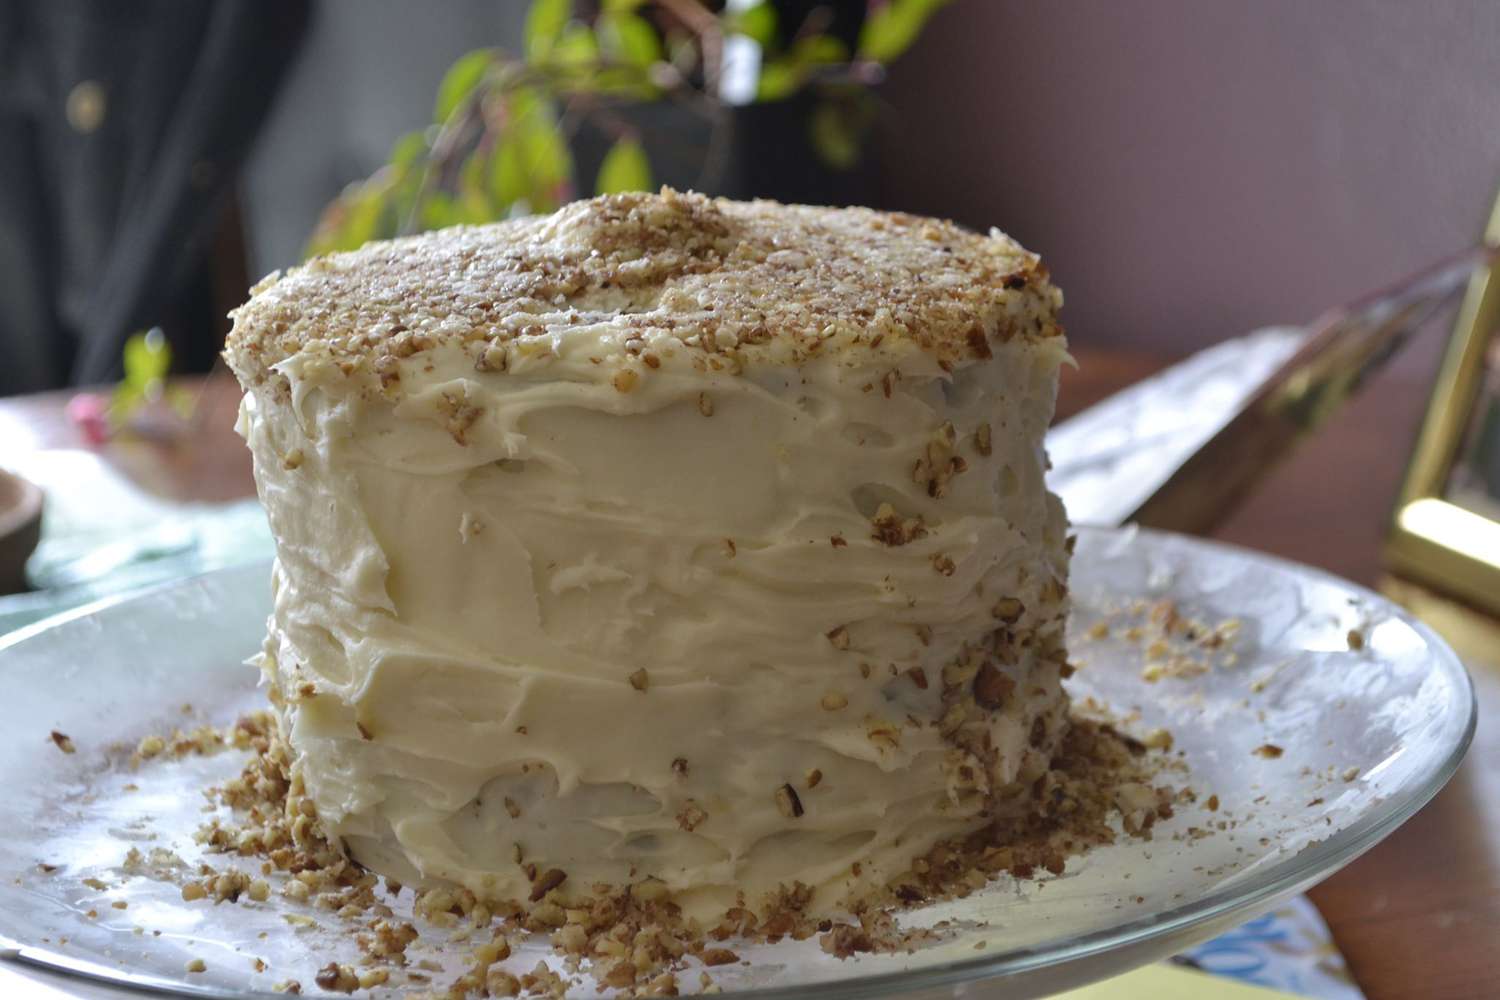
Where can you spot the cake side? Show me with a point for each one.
(634, 277)
(804, 635)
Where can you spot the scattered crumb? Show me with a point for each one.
(196, 965)
(63, 741)
(1269, 751)
(337, 978)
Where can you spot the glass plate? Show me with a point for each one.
(1367, 735)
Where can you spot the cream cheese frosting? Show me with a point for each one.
(615, 599)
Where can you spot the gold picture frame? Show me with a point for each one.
(1445, 531)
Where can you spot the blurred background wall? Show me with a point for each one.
(368, 72)
(1192, 169)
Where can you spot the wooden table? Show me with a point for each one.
(1419, 916)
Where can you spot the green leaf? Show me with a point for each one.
(624, 81)
(507, 180)
(577, 47)
(352, 219)
(440, 210)
(544, 26)
(148, 359)
(836, 135)
(890, 30)
(629, 38)
(820, 50)
(459, 82)
(778, 79)
(758, 23)
(473, 191)
(408, 150)
(546, 161)
(782, 77)
(625, 168)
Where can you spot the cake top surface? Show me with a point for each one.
(717, 276)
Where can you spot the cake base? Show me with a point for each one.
(1103, 785)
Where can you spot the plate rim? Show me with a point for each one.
(1308, 866)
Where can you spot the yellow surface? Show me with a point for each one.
(1170, 982)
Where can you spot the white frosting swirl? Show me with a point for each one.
(475, 580)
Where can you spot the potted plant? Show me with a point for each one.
(743, 98)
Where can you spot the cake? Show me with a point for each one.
(662, 541)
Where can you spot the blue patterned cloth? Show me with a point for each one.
(1288, 949)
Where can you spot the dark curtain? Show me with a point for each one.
(122, 126)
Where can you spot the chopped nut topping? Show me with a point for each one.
(839, 637)
(293, 459)
(788, 802)
(942, 564)
(885, 735)
(337, 978)
(924, 634)
(499, 983)
(64, 743)
(512, 807)
(196, 965)
(371, 978)
(1009, 610)
(833, 701)
(837, 541)
(691, 816)
(991, 687)
(639, 680)
(982, 439)
(813, 777)
(625, 379)
(494, 358)
(918, 677)
(889, 528)
(705, 404)
(1158, 739)
(718, 956)
(1356, 639)
(546, 882)
(1269, 751)
(680, 767)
